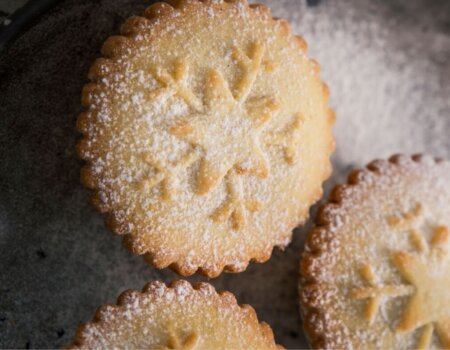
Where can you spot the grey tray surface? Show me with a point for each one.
(387, 64)
(17, 16)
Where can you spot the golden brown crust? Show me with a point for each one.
(131, 304)
(323, 241)
(117, 49)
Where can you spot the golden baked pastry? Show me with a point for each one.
(207, 134)
(175, 317)
(375, 273)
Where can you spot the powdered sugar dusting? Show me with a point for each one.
(164, 317)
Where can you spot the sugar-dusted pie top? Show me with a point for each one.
(175, 317)
(376, 270)
(207, 134)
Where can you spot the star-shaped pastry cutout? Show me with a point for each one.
(226, 127)
(429, 305)
(229, 126)
(427, 272)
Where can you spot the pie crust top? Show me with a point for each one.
(207, 134)
(376, 269)
(175, 317)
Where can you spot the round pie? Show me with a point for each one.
(175, 317)
(375, 273)
(207, 134)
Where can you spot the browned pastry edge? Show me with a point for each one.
(319, 238)
(119, 45)
(125, 297)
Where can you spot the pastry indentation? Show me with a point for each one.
(235, 206)
(288, 139)
(407, 219)
(376, 291)
(166, 173)
(175, 343)
(176, 83)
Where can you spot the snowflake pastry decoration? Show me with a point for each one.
(427, 272)
(226, 128)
